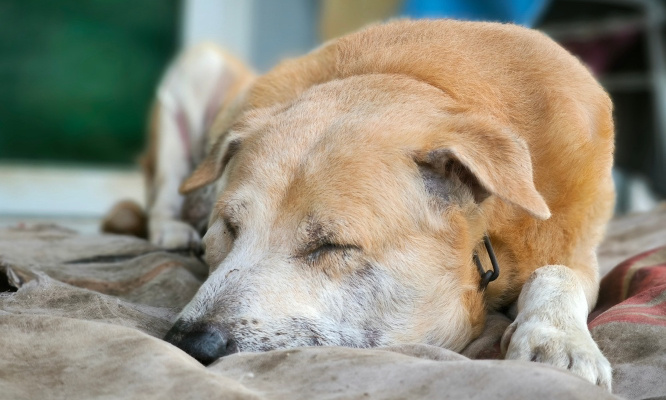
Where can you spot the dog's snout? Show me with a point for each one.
(205, 343)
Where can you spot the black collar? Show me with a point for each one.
(487, 276)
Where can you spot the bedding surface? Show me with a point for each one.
(81, 316)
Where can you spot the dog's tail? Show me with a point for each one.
(126, 218)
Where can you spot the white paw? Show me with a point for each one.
(172, 234)
(570, 348)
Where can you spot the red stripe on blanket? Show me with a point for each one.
(644, 287)
(647, 308)
(647, 278)
(612, 285)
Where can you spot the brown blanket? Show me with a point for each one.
(81, 318)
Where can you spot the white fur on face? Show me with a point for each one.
(267, 294)
(269, 300)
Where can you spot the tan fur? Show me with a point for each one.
(126, 217)
(341, 134)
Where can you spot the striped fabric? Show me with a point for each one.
(634, 292)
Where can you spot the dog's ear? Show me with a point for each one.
(487, 160)
(212, 166)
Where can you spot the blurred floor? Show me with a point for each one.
(83, 225)
(73, 197)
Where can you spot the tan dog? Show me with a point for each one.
(353, 186)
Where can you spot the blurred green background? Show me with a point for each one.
(77, 77)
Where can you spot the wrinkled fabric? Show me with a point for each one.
(629, 324)
(47, 357)
(82, 316)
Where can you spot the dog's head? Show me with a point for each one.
(349, 217)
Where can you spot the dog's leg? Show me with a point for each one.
(172, 165)
(551, 325)
(188, 98)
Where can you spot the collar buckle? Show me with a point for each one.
(490, 275)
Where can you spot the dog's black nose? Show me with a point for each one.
(205, 343)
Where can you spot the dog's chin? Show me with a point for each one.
(258, 340)
(254, 346)
(261, 343)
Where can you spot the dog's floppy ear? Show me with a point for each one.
(488, 160)
(213, 165)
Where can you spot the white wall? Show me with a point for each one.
(260, 32)
(29, 190)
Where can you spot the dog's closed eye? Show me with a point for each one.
(319, 251)
(231, 228)
(331, 247)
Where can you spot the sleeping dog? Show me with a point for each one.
(393, 186)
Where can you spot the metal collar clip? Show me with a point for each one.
(487, 276)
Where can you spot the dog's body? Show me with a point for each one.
(352, 187)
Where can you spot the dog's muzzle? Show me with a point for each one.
(205, 343)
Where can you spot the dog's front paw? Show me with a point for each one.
(173, 235)
(569, 348)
